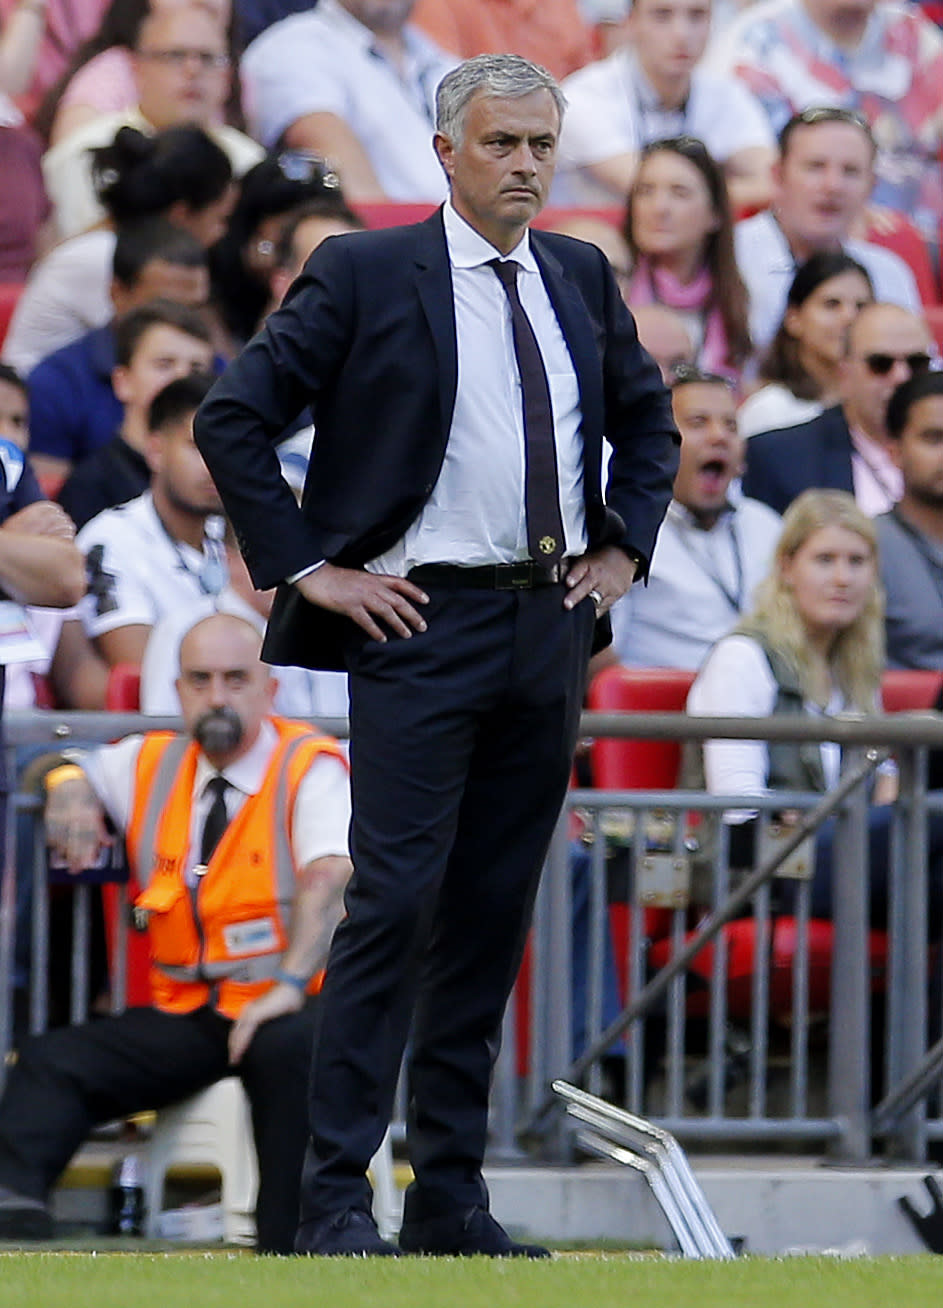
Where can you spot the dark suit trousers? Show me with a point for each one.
(461, 746)
(71, 1079)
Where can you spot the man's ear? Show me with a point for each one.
(445, 151)
(120, 382)
(153, 449)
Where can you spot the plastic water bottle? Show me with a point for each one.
(127, 1197)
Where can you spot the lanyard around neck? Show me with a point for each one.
(735, 598)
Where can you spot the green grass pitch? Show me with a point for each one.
(221, 1280)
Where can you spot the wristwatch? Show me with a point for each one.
(289, 979)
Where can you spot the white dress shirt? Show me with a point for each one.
(475, 514)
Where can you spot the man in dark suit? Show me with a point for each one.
(845, 448)
(454, 552)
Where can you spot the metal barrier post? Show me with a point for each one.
(849, 1036)
(907, 997)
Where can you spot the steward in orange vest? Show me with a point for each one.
(221, 942)
(238, 938)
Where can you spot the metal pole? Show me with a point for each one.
(849, 1033)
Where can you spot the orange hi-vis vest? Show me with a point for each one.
(220, 941)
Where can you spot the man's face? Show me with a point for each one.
(919, 452)
(306, 238)
(14, 415)
(223, 686)
(160, 280)
(886, 345)
(381, 16)
(665, 336)
(182, 68)
(501, 172)
(843, 20)
(823, 182)
(177, 465)
(162, 354)
(711, 447)
(669, 36)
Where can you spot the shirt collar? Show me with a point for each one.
(646, 95)
(682, 514)
(469, 249)
(247, 773)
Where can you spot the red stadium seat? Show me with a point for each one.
(123, 690)
(638, 764)
(9, 294)
(904, 689)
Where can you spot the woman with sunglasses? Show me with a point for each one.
(801, 368)
(679, 230)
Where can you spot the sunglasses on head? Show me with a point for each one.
(305, 166)
(881, 364)
(833, 114)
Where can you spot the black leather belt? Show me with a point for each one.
(492, 576)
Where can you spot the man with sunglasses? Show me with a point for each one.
(880, 57)
(846, 447)
(821, 185)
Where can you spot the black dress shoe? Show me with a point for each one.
(351, 1233)
(22, 1218)
(471, 1232)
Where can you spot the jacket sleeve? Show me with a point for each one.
(284, 368)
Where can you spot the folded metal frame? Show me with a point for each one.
(633, 1141)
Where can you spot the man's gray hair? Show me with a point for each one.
(505, 75)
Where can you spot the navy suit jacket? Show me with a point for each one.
(782, 464)
(366, 339)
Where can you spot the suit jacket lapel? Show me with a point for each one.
(576, 326)
(837, 450)
(434, 285)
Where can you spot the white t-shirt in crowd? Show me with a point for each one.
(324, 61)
(612, 110)
(737, 682)
(301, 693)
(137, 572)
(774, 406)
(68, 293)
(767, 265)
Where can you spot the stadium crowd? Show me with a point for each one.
(766, 180)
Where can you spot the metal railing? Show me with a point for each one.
(749, 1069)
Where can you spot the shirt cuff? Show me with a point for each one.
(305, 572)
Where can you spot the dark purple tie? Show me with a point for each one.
(541, 486)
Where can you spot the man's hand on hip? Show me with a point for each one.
(605, 575)
(366, 597)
